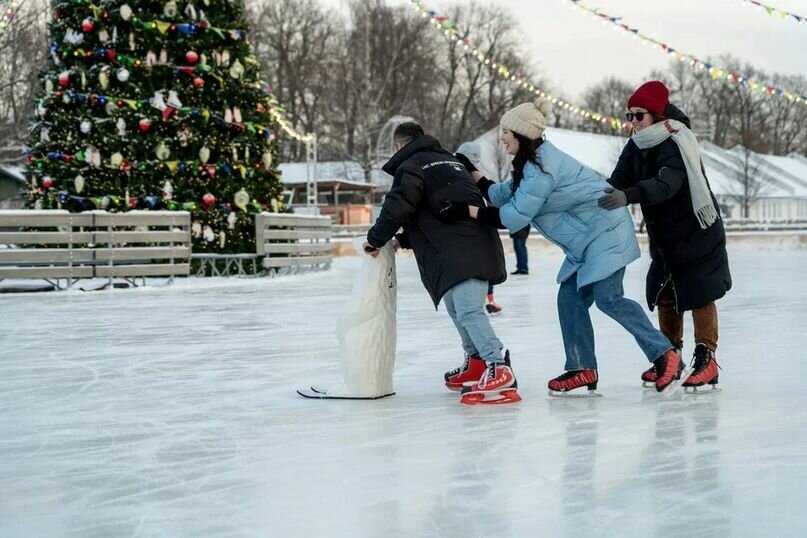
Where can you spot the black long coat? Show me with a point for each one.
(694, 260)
(425, 175)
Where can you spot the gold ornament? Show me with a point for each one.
(116, 159)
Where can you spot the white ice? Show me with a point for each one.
(172, 412)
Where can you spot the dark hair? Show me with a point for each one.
(406, 132)
(527, 152)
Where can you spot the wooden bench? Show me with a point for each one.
(56, 245)
(291, 243)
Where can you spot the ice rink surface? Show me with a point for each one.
(172, 412)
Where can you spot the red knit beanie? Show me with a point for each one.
(653, 96)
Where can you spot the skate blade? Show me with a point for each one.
(587, 394)
(701, 390)
(648, 385)
(676, 384)
(507, 396)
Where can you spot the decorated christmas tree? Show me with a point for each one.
(156, 105)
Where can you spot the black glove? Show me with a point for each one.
(613, 199)
(466, 162)
(453, 211)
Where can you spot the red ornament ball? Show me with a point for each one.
(144, 125)
(198, 82)
(64, 80)
(191, 57)
(47, 182)
(87, 25)
(208, 200)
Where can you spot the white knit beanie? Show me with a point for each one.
(528, 119)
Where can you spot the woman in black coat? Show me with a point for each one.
(660, 168)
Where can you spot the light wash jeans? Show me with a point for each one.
(575, 321)
(465, 303)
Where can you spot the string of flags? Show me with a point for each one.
(449, 28)
(774, 12)
(716, 72)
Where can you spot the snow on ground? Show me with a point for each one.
(172, 412)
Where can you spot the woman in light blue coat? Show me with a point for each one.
(558, 195)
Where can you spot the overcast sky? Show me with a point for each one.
(573, 51)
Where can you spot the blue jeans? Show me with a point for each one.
(520, 246)
(575, 321)
(465, 303)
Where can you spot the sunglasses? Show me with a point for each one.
(638, 116)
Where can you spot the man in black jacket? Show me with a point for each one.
(456, 261)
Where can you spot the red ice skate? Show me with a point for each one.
(704, 370)
(649, 376)
(669, 376)
(497, 385)
(574, 379)
(470, 372)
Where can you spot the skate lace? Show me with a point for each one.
(567, 375)
(489, 375)
(701, 358)
(466, 363)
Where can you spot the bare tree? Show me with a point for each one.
(610, 97)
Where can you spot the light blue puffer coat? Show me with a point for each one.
(562, 204)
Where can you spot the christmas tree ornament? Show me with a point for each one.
(122, 74)
(208, 200)
(236, 70)
(196, 228)
(83, 80)
(103, 79)
(173, 100)
(168, 190)
(103, 36)
(47, 182)
(235, 154)
(49, 86)
(144, 125)
(110, 108)
(191, 57)
(231, 219)
(241, 199)
(158, 101)
(38, 204)
(163, 57)
(116, 159)
(198, 82)
(184, 136)
(208, 235)
(41, 110)
(237, 114)
(161, 151)
(246, 153)
(78, 182)
(105, 203)
(203, 59)
(44, 134)
(120, 127)
(125, 12)
(85, 126)
(170, 9)
(151, 58)
(73, 37)
(92, 156)
(87, 25)
(266, 158)
(222, 239)
(64, 79)
(204, 154)
(275, 205)
(132, 42)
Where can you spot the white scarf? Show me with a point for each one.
(657, 133)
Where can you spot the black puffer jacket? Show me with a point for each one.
(694, 259)
(447, 254)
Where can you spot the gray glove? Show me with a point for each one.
(613, 199)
